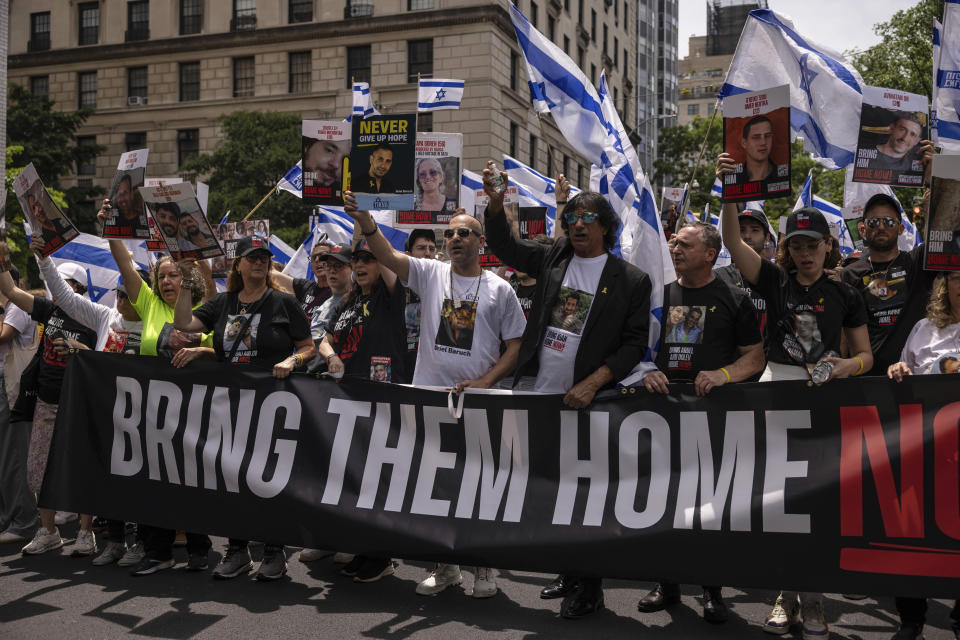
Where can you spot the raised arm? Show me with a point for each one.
(283, 280)
(15, 294)
(183, 318)
(524, 255)
(386, 255)
(743, 256)
(78, 307)
(121, 255)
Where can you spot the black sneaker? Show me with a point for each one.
(149, 565)
(197, 562)
(352, 567)
(373, 569)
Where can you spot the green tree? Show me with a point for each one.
(255, 150)
(678, 149)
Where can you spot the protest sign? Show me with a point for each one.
(155, 243)
(128, 215)
(756, 132)
(228, 234)
(436, 189)
(511, 206)
(326, 145)
(892, 124)
(381, 164)
(180, 220)
(941, 236)
(42, 212)
(670, 207)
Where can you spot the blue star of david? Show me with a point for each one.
(806, 77)
(441, 94)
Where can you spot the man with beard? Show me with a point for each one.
(897, 152)
(167, 215)
(193, 238)
(380, 161)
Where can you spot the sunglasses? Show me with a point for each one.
(588, 217)
(334, 265)
(804, 246)
(462, 232)
(429, 173)
(364, 258)
(258, 257)
(886, 221)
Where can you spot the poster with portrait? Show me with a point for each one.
(42, 212)
(670, 207)
(756, 132)
(128, 215)
(381, 162)
(326, 145)
(155, 242)
(892, 124)
(941, 234)
(436, 189)
(511, 207)
(181, 222)
(228, 234)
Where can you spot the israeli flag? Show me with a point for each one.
(831, 212)
(825, 90)
(717, 189)
(947, 87)
(292, 180)
(855, 197)
(93, 255)
(362, 101)
(470, 183)
(437, 94)
(281, 251)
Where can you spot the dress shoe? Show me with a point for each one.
(714, 608)
(660, 597)
(585, 598)
(559, 588)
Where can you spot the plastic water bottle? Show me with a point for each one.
(821, 372)
(497, 179)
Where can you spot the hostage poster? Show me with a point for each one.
(42, 212)
(382, 159)
(892, 124)
(228, 234)
(128, 215)
(436, 188)
(181, 222)
(941, 237)
(756, 132)
(326, 145)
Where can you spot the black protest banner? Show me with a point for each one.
(852, 487)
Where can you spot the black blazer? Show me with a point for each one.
(616, 331)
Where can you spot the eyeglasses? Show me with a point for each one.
(428, 173)
(800, 247)
(588, 217)
(887, 221)
(334, 265)
(258, 257)
(462, 232)
(318, 256)
(363, 258)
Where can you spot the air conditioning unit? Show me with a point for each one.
(136, 101)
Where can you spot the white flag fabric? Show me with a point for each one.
(947, 88)
(363, 101)
(855, 197)
(436, 94)
(535, 189)
(831, 212)
(825, 90)
(292, 180)
(282, 252)
(92, 253)
(470, 183)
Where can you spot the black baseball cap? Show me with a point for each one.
(416, 234)
(363, 246)
(339, 252)
(807, 222)
(754, 211)
(880, 199)
(249, 244)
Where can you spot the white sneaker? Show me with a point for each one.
(63, 517)
(484, 584)
(309, 555)
(133, 556)
(84, 545)
(43, 541)
(342, 558)
(7, 537)
(781, 619)
(443, 576)
(814, 627)
(113, 552)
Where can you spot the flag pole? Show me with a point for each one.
(270, 193)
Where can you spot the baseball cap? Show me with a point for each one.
(416, 234)
(879, 199)
(363, 246)
(340, 252)
(754, 211)
(248, 244)
(72, 271)
(807, 222)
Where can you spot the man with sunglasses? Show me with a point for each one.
(310, 293)
(482, 305)
(611, 301)
(337, 273)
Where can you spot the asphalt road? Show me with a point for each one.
(61, 597)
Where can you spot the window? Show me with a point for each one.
(87, 90)
(89, 22)
(425, 122)
(244, 77)
(710, 108)
(533, 151)
(616, 51)
(642, 62)
(593, 74)
(87, 167)
(551, 28)
(566, 5)
(593, 24)
(137, 82)
(514, 70)
(693, 109)
(626, 12)
(300, 11)
(188, 145)
(244, 15)
(138, 20)
(513, 140)
(580, 176)
(580, 11)
(534, 11)
(626, 63)
(300, 71)
(419, 59)
(39, 31)
(580, 57)
(416, 5)
(358, 64)
(549, 162)
(606, 33)
(135, 140)
(566, 45)
(40, 85)
(566, 162)
(191, 16)
(189, 81)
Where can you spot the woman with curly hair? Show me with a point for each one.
(430, 194)
(934, 343)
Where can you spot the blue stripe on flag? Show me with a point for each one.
(801, 121)
(947, 129)
(441, 83)
(445, 103)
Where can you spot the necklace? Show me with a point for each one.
(456, 298)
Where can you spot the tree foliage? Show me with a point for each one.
(255, 150)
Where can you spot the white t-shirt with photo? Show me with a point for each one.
(932, 350)
(570, 312)
(460, 331)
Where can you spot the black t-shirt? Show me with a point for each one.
(703, 328)
(277, 323)
(896, 294)
(310, 295)
(732, 276)
(411, 318)
(805, 322)
(368, 333)
(525, 297)
(56, 324)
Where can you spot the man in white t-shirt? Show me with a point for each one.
(465, 313)
(588, 323)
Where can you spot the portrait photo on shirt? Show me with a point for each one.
(380, 368)
(756, 133)
(171, 340)
(892, 125)
(685, 324)
(457, 321)
(949, 363)
(570, 310)
(234, 331)
(805, 342)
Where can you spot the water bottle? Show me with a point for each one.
(821, 372)
(497, 179)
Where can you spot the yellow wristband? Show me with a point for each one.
(860, 370)
(726, 373)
